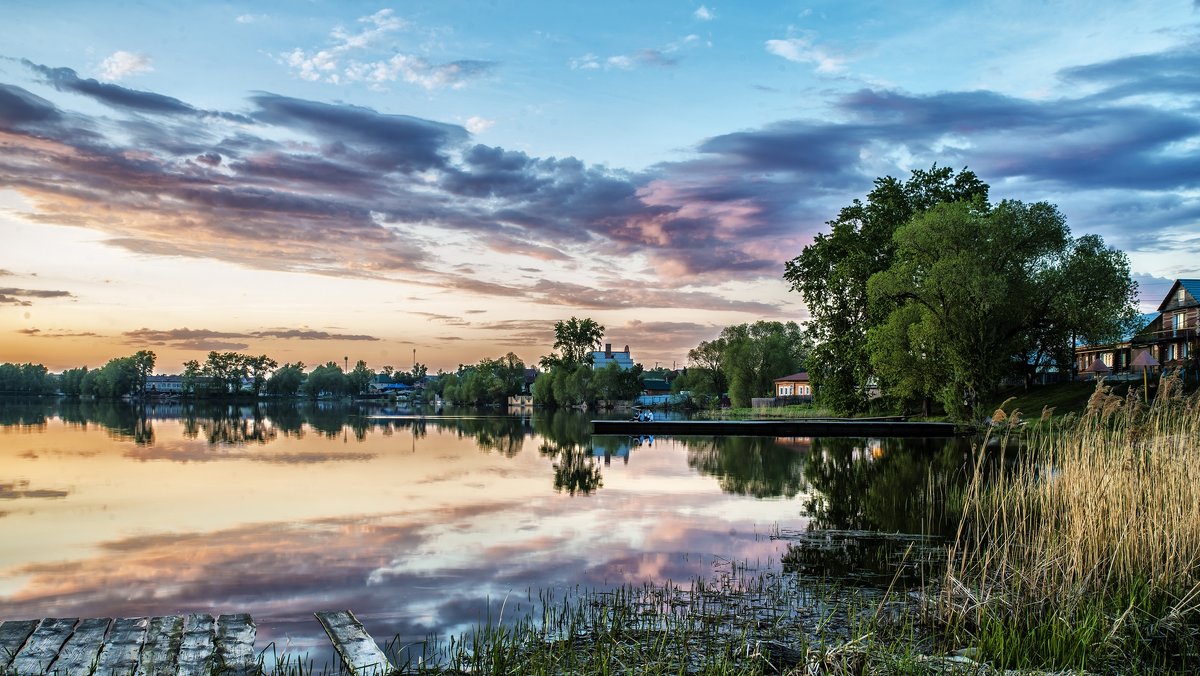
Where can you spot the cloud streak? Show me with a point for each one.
(206, 339)
(21, 297)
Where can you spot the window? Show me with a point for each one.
(785, 390)
(1177, 321)
(1181, 296)
(1171, 352)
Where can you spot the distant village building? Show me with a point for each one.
(601, 360)
(164, 384)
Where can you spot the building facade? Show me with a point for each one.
(1171, 335)
(601, 359)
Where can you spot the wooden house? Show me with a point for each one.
(793, 386)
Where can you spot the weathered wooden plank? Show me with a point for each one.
(78, 655)
(120, 652)
(160, 652)
(235, 644)
(42, 646)
(13, 635)
(354, 645)
(196, 649)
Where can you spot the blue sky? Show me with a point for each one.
(313, 179)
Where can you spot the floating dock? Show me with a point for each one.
(175, 644)
(816, 427)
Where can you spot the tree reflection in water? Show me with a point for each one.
(575, 468)
(889, 485)
(764, 467)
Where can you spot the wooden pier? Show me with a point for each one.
(841, 427)
(192, 645)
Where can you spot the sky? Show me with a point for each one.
(442, 181)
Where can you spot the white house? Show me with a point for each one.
(601, 359)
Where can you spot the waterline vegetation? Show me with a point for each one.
(1087, 553)
(1081, 553)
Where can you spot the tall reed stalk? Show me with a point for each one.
(1085, 549)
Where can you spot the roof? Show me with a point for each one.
(601, 359)
(802, 375)
(1144, 320)
(655, 384)
(1192, 286)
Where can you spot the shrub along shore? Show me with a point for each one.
(1079, 553)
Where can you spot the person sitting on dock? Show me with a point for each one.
(646, 416)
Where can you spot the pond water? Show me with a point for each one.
(419, 524)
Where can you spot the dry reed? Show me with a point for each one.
(1091, 536)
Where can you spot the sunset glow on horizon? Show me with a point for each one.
(444, 181)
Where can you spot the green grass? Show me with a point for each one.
(1063, 398)
(773, 412)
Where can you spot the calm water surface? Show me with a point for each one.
(419, 525)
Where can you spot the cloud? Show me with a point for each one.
(335, 189)
(621, 295)
(38, 333)
(23, 109)
(391, 142)
(642, 58)
(15, 490)
(478, 125)
(201, 340)
(449, 320)
(418, 71)
(308, 334)
(336, 65)
(121, 64)
(206, 339)
(588, 61)
(703, 13)
(21, 297)
(116, 96)
(160, 337)
(801, 50)
(250, 18)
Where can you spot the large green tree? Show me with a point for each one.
(831, 275)
(328, 379)
(575, 340)
(972, 290)
(358, 381)
(756, 354)
(746, 359)
(286, 380)
(705, 376)
(491, 381)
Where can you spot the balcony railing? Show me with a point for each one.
(1189, 333)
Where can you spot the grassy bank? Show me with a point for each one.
(767, 412)
(1086, 553)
